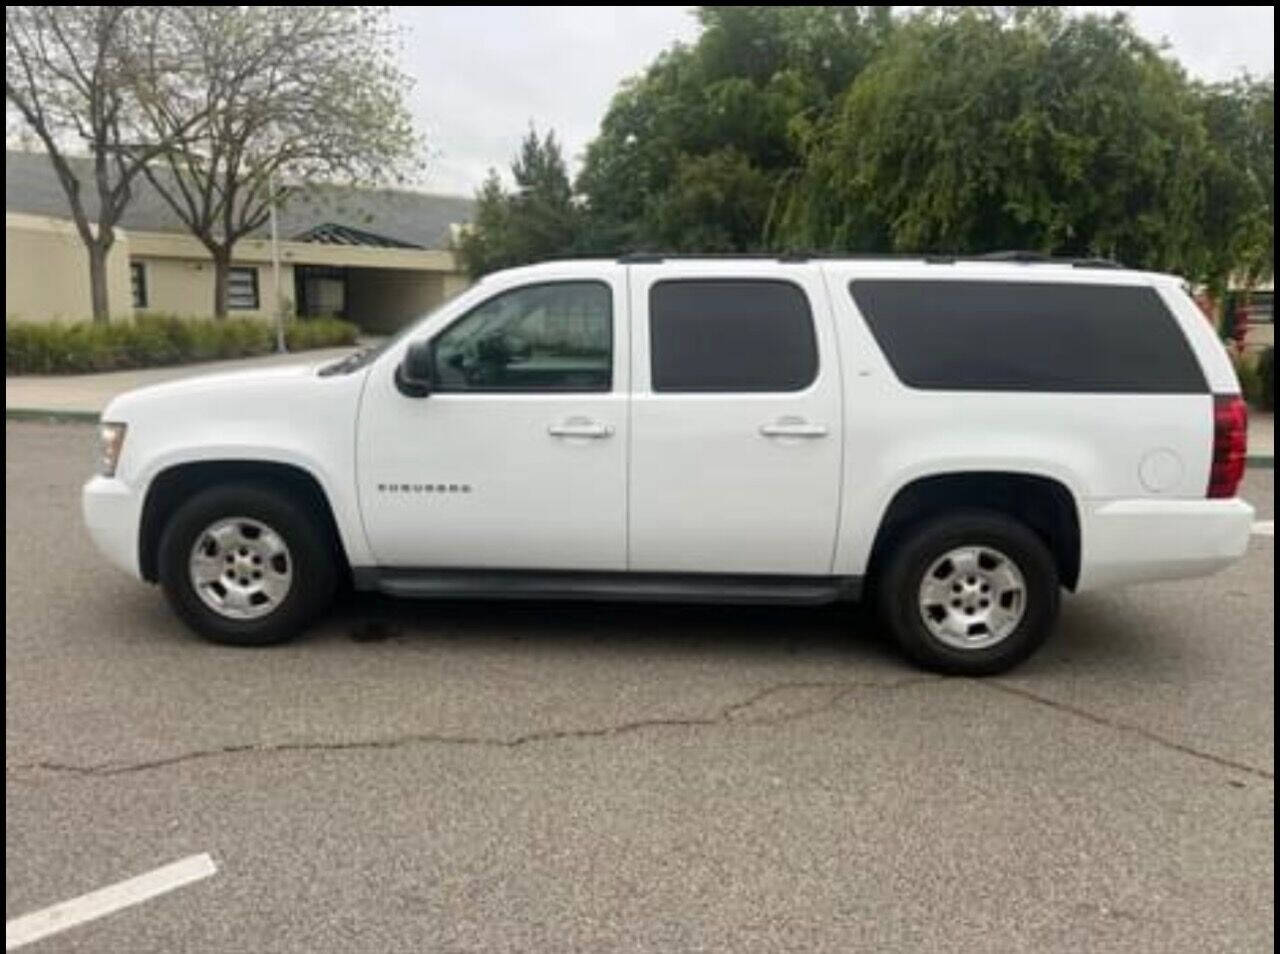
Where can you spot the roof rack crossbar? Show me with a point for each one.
(1095, 263)
(1016, 256)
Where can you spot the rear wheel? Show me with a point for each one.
(246, 565)
(971, 593)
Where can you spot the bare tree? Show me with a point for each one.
(70, 75)
(304, 94)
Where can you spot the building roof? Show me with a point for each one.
(330, 233)
(382, 217)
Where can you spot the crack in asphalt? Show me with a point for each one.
(732, 713)
(1126, 727)
(728, 714)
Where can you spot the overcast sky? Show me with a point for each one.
(484, 73)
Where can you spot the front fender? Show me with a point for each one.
(335, 486)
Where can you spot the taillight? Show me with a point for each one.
(1230, 438)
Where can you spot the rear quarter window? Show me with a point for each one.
(1028, 336)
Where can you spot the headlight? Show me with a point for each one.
(111, 439)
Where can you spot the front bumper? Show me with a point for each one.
(1137, 541)
(112, 514)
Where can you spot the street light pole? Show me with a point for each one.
(275, 268)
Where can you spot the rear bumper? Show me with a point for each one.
(1136, 541)
(111, 514)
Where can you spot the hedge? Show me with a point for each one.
(1257, 377)
(1266, 398)
(156, 340)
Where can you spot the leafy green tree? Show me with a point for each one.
(977, 129)
(538, 220)
(1238, 203)
(958, 130)
(716, 203)
(70, 72)
(980, 129)
(713, 123)
(303, 94)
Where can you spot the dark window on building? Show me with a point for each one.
(1261, 307)
(138, 279)
(730, 335)
(1029, 336)
(242, 289)
(320, 291)
(555, 336)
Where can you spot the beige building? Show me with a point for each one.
(1262, 329)
(378, 258)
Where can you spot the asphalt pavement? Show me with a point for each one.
(526, 777)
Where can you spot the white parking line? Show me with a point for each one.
(1264, 528)
(104, 901)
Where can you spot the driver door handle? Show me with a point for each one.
(578, 428)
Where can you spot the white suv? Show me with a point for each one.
(958, 439)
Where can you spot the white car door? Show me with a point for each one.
(516, 459)
(736, 419)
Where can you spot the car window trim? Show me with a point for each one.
(608, 389)
(1201, 386)
(749, 279)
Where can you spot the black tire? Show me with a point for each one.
(314, 566)
(898, 588)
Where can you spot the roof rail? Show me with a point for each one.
(794, 255)
(1016, 256)
(1040, 258)
(929, 258)
(649, 258)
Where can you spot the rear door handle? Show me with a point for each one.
(580, 429)
(793, 429)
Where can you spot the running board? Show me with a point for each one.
(746, 589)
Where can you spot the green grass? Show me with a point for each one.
(151, 341)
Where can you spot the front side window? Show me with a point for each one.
(555, 336)
(242, 289)
(727, 335)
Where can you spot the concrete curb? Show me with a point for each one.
(91, 417)
(51, 416)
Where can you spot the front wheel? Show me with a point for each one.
(973, 593)
(244, 564)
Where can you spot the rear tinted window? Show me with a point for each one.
(1029, 336)
(730, 335)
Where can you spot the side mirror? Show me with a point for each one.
(414, 375)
